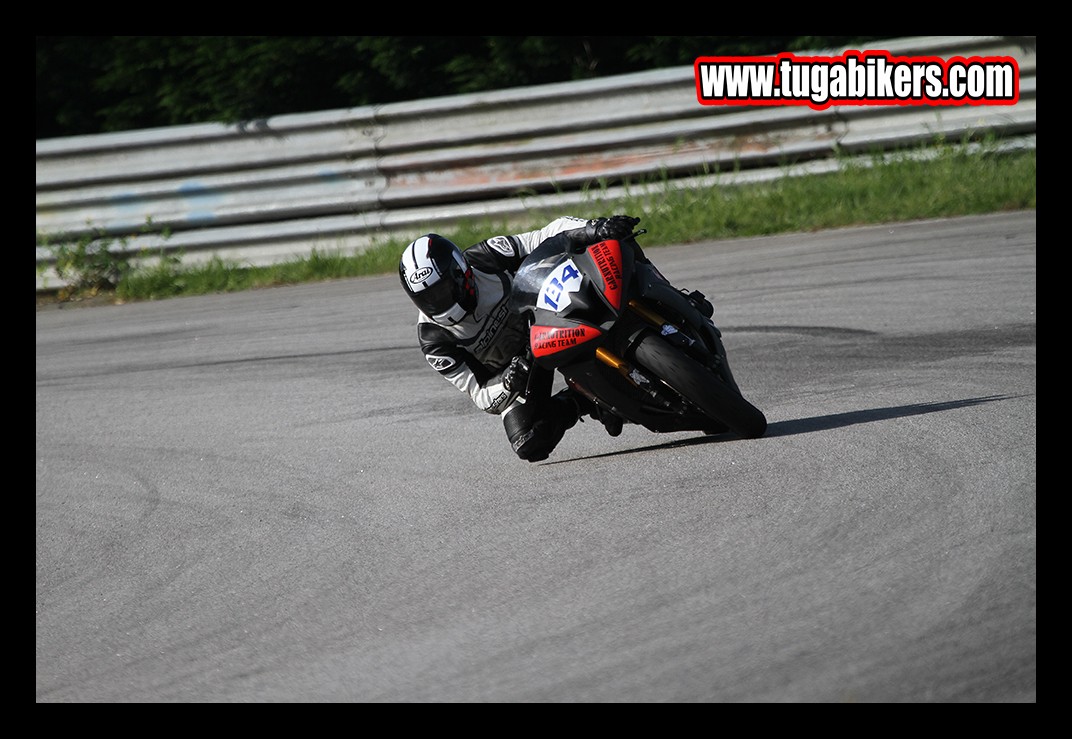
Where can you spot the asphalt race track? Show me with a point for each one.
(270, 497)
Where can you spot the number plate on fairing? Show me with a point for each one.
(557, 287)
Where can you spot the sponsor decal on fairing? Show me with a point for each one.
(608, 258)
(557, 287)
(547, 340)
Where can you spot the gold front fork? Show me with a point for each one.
(638, 379)
(612, 360)
(647, 314)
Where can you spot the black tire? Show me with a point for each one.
(700, 386)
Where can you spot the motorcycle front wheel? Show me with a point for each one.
(700, 386)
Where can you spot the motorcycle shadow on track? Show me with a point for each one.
(810, 425)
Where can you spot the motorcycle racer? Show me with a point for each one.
(470, 337)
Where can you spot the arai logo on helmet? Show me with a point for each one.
(420, 275)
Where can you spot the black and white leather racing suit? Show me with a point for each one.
(472, 354)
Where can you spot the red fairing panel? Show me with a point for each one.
(548, 340)
(608, 257)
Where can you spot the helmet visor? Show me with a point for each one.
(435, 298)
(450, 299)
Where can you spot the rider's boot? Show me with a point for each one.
(611, 421)
(534, 429)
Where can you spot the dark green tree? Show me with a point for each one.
(97, 84)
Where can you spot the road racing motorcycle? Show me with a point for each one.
(621, 335)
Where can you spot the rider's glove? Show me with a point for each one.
(515, 375)
(616, 227)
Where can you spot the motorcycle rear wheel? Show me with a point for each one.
(700, 386)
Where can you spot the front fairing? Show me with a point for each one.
(534, 272)
(585, 283)
(572, 295)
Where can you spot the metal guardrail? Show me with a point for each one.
(337, 181)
